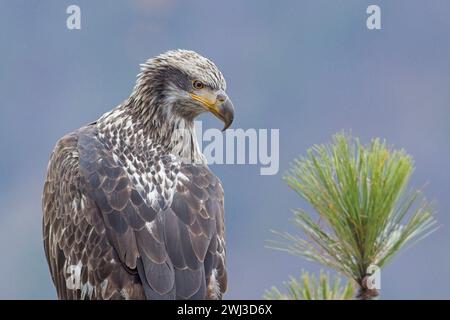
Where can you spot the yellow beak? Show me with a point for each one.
(222, 107)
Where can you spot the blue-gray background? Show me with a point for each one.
(309, 68)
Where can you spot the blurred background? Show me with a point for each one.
(308, 68)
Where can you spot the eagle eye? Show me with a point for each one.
(198, 84)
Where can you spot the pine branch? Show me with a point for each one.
(360, 195)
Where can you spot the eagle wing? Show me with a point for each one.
(100, 226)
(82, 262)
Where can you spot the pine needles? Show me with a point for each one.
(361, 198)
(311, 288)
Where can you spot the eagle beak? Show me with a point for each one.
(225, 110)
(222, 108)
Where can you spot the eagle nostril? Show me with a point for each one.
(221, 97)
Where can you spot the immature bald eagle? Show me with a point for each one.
(131, 210)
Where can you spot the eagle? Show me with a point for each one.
(130, 208)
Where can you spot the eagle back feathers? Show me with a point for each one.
(127, 219)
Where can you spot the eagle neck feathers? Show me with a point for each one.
(145, 125)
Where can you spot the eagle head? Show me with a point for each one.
(182, 84)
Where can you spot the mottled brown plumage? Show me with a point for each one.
(131, 210)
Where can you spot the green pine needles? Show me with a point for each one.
(311, 288)
(365, 212)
